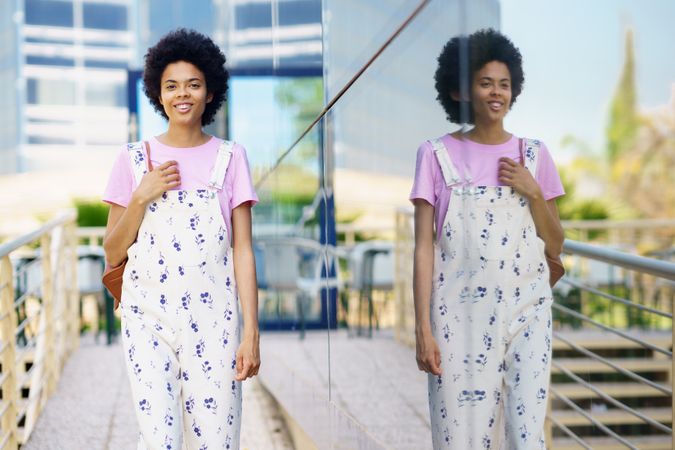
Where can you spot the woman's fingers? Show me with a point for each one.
(430, 364)
(244, 373)
(169, 171)
(173, 177)
(240, 362)
(166, 165)
(247, 372)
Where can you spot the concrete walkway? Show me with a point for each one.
(373, 397)
(92, 408)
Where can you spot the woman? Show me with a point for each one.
(182, 217)
(481, 286)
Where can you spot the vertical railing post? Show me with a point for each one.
(8, 323)
(399, 325)
(73, 315)
(584, 296)
(48, 311)
(60, 300)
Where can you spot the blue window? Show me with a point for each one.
(50, 92)
(50, 140)
(105, 17)
(50, 61)
(49, 12)
(298, 12)
(105, 64)
(253, 15)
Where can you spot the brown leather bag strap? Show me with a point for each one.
(147, 151)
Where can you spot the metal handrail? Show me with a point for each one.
(609, 363)
(627, 336)
(662, 269)
(604, 224)
(8, 247)
(659, 269)
(614, 298)
(21, 299)
(58, 315)
(591, 419)
(570, 433)
(24, 323)
(611, 399)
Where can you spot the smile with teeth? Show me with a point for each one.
(495, 105)
(183, 107)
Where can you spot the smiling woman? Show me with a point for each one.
(180, 218)
(183, 94)
(481, 287)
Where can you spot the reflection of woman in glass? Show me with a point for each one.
(182, 217)
(482, 294)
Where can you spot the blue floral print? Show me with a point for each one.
(491, 317)
(179, 357)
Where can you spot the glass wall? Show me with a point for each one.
(75, 55)
(276, 92)
(10, 85)
(375, 130)
(329, 191)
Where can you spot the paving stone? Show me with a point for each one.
(92, 408)
(374, 381)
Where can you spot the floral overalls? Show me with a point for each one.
(180, 318)
(491, 316)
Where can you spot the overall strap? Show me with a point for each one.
(529, 153)
(217, 178)
(139, 158)
(450, 173)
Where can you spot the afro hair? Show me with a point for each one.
(482, 47)
(195, 48)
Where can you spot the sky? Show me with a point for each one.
(573, 53)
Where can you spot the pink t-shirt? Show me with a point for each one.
(481, 160)
(195, 165)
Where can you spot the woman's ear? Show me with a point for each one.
(209, 97)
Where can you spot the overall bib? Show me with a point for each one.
(491, 317)
(180, 318)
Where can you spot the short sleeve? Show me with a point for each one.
(238, 179)
(121, 182)
(425, 175)
(547, 175)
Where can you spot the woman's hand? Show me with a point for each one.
(248, 358)
(428, 355)
(518, 177)
(544, 212)
(159, 180)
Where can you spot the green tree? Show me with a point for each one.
(623, 117)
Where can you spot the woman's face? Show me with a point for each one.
(491, 92)
(183, 93)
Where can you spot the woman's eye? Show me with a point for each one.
(195, 85)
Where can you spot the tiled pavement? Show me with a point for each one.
(375, 386)
(92, 408)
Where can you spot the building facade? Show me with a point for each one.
(74, 56)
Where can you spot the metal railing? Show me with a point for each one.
(642, 281)
(39, 322)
